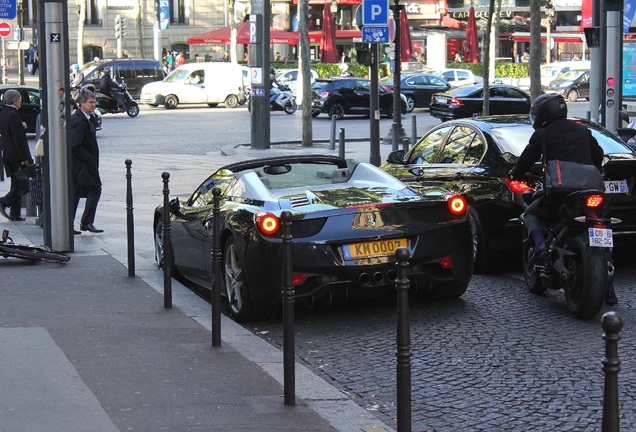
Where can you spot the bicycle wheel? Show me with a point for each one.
(32, 253)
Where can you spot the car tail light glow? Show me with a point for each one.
(298, 278)
(267, 223)
(324, 94)
(517, 186)
(446, 262)
(593, 201)
(455, 101)
(457, 204)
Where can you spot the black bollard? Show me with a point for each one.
(167, 244)
(332, 136)
(341, 143)
(217, 271)
(130, 224)
(413, 131)
(394, 136)
(612, 324)
(289, 357)
(403, 343)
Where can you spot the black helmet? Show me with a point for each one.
(547, 107)
(272, 71)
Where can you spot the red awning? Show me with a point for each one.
(556, 37)
(222, 36)
(315, 36)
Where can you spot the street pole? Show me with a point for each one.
(5, 78)
(614, 32)
(54, 47)
(20, 56)
(374, 151)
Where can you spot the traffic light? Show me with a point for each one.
(120, 25)
(613, 5)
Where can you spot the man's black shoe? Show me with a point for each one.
(610, 298)
(539, 258)
(16, 218)
(76, 232)
(3, 211)
(90, 228)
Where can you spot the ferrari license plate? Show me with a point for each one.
(373, 249)
(601, 237)
(616, 186)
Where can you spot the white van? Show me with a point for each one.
(209, 83)
(551, 71)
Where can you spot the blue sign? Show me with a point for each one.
(7, 9)
(375, 12)
(375, 34)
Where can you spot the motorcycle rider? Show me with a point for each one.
(106, 83)
(274, 90)
(76, 78)
(564, 140)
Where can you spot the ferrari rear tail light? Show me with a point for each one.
(298, 278)
(517, 186)
(446, 262)
(267, 223)
(457, 205)
(455, 101)
(593, 201)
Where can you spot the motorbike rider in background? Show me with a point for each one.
(76, 80)
(106, 83)
(564, 140)
(274, 90)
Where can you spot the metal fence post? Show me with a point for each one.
(394, 136)
(612, 324)
(130, 224)
(289, 357)
(413, 131)
(167, 244)
(216, 269)
(341, 143)
(332, 137)
(403, 343)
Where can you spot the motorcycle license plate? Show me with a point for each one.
(601, 237)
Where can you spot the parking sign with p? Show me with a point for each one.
(375, 12)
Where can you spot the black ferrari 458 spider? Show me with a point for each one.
(348, 219)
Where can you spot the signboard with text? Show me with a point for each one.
(7, 9)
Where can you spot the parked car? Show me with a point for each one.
(289, 77)
(417, 88)
(209, 83)
(456, 77)
(572, 85)
(467, 101)
(347, 220)
(341, 96)
(472, 157)
(550, 72)
(30, 108)
(135, 72)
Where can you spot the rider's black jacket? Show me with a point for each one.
(565, 140)
(106, 83)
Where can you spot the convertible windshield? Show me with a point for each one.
(299, 175)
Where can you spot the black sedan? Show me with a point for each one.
(572, 85)
(472, 157)
(30, 108)
(348, 219)
(467, 101)
(341, 96)
(417, 88)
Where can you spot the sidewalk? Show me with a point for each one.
(85, 348)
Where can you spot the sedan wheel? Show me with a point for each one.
(235, 282)
(336, 110)
(170, 102)
(159, 244)
(573, 96)
(410, 104)
(481, 260)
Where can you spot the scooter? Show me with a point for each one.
(579, 252)
(286, 101)
(121, 101)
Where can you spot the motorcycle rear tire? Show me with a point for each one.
(530, 274)
(586, 288)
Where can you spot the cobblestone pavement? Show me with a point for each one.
(500, 359)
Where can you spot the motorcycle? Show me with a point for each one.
(121, 101)
(286, 101)
(579, 250)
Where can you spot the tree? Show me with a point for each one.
(234, 25)
(534, 65)
(140, 36)
(305, 71)
(80, 32)
(486, 103)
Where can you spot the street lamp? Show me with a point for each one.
(549, 12)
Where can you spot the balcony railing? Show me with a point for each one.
(93, 22)
(179, 21)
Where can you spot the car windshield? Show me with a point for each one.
(514, 138)
(298, 175)
(570, 75)
(177, 75)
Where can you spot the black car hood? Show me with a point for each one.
(620, 166)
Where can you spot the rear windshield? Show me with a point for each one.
(513, 139)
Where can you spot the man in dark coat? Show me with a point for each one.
(86, 180)
(15, 148)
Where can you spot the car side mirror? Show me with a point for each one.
(396, 157)
(175, 205)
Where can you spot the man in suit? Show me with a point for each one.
(15, 148)
(86, 181)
